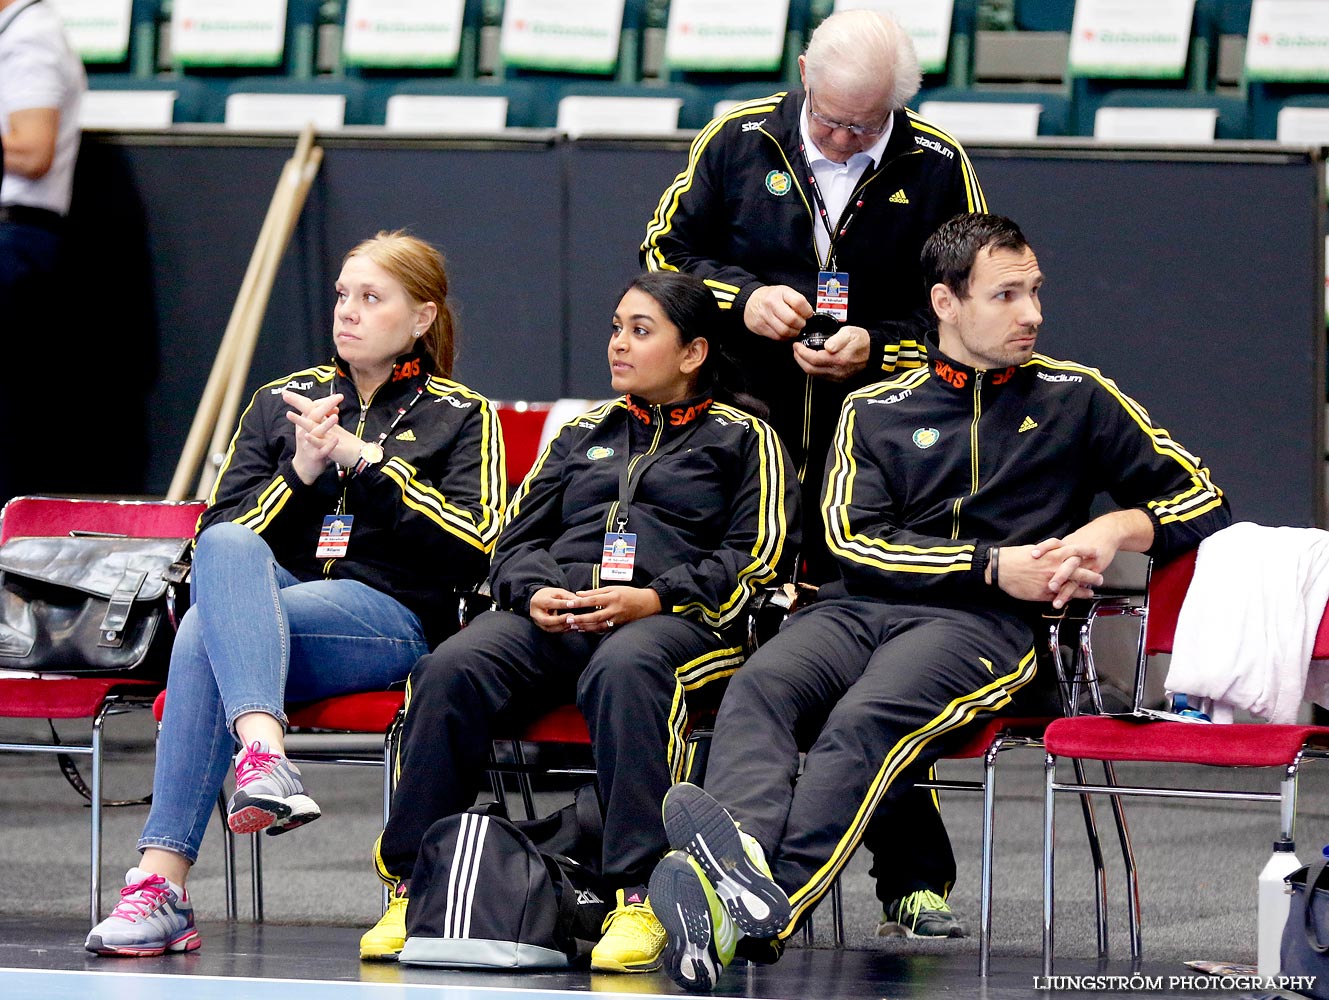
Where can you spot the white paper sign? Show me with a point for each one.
(1303, 126)
(579, 115)
(580, 36)
(969, 121)
(228, 32)
(127, 109)
(415, 33)
(1288, 40)
(734, 35)
(285, 112)
(1169, 125)
(446, 113)
(1144, 38)
(98, 30)
(927, 21)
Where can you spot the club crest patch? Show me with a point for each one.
(926, 437)
(599, 452)
(778, 183)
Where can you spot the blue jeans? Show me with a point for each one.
(257, 637)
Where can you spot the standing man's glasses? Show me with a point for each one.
(857, 130)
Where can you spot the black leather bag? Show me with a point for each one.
(1305, 946)
(89, 604)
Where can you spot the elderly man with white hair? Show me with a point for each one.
(815, 201)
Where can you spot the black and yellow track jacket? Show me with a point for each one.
(930, 469)
(740, 216)
(426, 517)
(715, 518)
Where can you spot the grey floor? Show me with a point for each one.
(1198, 862)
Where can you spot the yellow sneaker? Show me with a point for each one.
(632, 938)
(384, 941)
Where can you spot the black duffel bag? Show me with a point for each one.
(89, 604)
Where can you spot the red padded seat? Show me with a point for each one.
(1096, 737)
(64, 698)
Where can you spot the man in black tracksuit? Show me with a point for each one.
(746, 215)
(957, 503)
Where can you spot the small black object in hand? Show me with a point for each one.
(819, 328)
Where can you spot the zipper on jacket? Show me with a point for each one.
(658, 417)
(830, 253)
(807, 426)
(973, 452)
(359, 429)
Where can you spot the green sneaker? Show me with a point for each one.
(701, 935)
(920, 914)
(732, 860)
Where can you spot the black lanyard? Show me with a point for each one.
(853, 206)
(17, 12)
(629, 477)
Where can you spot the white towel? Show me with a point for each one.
(1247, 626)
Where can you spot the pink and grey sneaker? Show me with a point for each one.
(268, 794)
(153, 916)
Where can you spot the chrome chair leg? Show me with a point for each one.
(1128, 862)
(228, 861)
(1049, 827)
(1096, 855)
(95, 883)
(256, 876)
(837, 914)
(985, 862)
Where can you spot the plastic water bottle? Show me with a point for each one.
(1274, 904)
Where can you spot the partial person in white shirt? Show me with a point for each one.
(41, 86)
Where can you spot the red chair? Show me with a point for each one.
(92, 698)
(1107, 739)
(523, 423)
(986, 743)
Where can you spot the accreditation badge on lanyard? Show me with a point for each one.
(618, 559)
(833, 294)
(335, 536)
(620, 556)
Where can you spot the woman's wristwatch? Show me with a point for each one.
(370, 454)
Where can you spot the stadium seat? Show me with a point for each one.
(1268, 98)
(464, 69)
(446, 105)
(116, 100)
(284, 104)
(549, 77)
(1034, 52)
(1052, 116)
(589, 107)
(715, 81)
(1230, 119)
(1088, 92)
(1303, 120)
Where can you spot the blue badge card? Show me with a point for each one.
(335, 536)
(620, 556)
(833, 294)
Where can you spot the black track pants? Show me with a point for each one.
(502, 672)
(878, 692)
